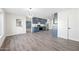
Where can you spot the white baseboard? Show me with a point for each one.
(69, 39)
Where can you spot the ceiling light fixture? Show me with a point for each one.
(30, 8)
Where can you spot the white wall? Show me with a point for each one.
(12, 29)
(68, 18)
(62, 24)
(2, 26)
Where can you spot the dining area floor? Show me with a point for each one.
(40, 41)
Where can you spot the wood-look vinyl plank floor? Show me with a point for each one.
(40, 41)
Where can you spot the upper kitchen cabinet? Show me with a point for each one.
(43, 21)
(38, 20)
(35, 20)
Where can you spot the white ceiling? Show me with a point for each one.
(36, 12)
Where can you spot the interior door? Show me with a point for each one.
(68, 24)
(73, 25)
(62, 25)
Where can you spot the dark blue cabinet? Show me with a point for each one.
(36, 20)
(43, 21)
(35, 29)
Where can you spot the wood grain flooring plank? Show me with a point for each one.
(40, 41)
